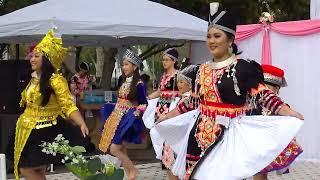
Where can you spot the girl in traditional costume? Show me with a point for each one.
(185, 83)
(163, 100)
(124, 124)
(222, 142)
(47, 101)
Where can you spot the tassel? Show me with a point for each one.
(236, 87)
(235, 84)
(235, 80)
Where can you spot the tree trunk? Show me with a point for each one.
(108, 66)
(78, 51)
(3, 48)
(100, 62)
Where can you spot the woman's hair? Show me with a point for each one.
(176, 65)
(145, 78)
(46, 72)
(84, 66)
(233, 45)
(133, 93)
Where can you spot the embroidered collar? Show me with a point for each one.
(35, 75)
(129, 79)
(170, 75)
(165, 78)
(225, 63)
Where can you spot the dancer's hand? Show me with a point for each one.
(137, 113)
(297, 115)
(77, 118)
(287, 111)
(84, 129)
(161, 118)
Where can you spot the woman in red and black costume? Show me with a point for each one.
(165, 101)
(168, 84)
(223, 143)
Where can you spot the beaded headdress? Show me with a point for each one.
(132, 57)
(189, 74)
(172, 53)
(52, 48)
(223, 20)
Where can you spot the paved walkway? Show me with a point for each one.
(152, 171)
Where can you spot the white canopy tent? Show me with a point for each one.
(111, 23)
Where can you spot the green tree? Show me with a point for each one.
(7, 6)
(249, 10)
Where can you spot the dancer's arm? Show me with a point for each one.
(65, 100)
(154, 95)
(263, 96)
(185, 105)
(142, 99)
(287, 111)
(173, 113)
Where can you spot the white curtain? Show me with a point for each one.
(314, 9)
(299, 57)
(251, 47)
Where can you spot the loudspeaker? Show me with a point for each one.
(14, 77)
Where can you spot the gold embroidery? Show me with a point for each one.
(37, 116)
(207, 130)
(213, 110)
(22, 135)
(109, 130)
(113, 120)
(207, 133)
(112, 123)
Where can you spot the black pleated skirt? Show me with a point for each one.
(32, 155)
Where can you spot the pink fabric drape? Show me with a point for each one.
(246, 31)
(266, 47)
(296, 28)
(292, 28)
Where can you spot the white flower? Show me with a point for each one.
(63, 161)
(54, 154)
(55, 145)
(76, 161)
(66, 158)
(266, 17)
(58, 138)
